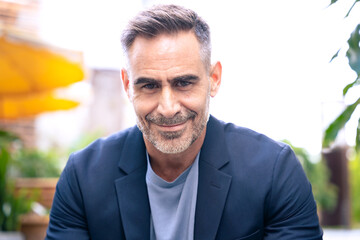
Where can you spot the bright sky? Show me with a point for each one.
(277, 78)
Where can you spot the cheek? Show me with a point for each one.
(143, 106)
(197, 101)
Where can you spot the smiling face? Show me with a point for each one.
(170, 90)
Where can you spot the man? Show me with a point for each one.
(180, 174)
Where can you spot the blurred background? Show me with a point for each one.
(290, 70)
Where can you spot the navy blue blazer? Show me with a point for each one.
(250, 187)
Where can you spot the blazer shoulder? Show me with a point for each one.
(241, 145)
(251, 137)
(107, 147)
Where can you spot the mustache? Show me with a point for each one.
(177, 119)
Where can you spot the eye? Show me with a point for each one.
(182, 83)
(150, 86)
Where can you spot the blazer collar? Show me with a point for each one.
(131, 189)
(214, 150)
(213, 184)
(133, 152)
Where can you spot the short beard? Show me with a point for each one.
(171, 142)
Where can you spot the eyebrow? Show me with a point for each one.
(189, 77)
(145, 80)
(142, 80)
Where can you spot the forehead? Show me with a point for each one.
(165, 52)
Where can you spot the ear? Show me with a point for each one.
(126, 82)
(215, 78)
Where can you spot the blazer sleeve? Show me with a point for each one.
(67, 217)
(290, 209)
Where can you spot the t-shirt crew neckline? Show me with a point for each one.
(152, 177)
(173, 204)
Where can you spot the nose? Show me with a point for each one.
(169, 104)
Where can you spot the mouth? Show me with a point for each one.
(172, 127)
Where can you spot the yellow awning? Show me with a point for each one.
(29, 72)
(27, 67)
(30, 105)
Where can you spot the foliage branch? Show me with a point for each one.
(353, 55)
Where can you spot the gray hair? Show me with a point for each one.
(168, 19)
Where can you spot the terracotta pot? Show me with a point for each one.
(43, 187)
(34, 226)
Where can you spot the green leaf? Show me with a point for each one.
(335, 55)
(333, 1)
(356, 82)
(332, 131)
(353, 53)
(351, 8)
(357, 140)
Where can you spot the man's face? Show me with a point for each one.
(170, 90)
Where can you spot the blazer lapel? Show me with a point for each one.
(131, 189)
(213, 184)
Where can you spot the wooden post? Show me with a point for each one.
(337, 161)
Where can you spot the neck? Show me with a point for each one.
(170, 166)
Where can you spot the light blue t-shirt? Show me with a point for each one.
(173, 204)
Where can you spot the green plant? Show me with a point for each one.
(354, 167)
(318, 174)
(32, 163)
(12, 204)
(353, 55)
(15, 205)
(84, 140)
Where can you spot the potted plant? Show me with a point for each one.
(12, 204)
(27, 183)
(36, 174)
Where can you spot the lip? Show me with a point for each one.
(172, 128)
